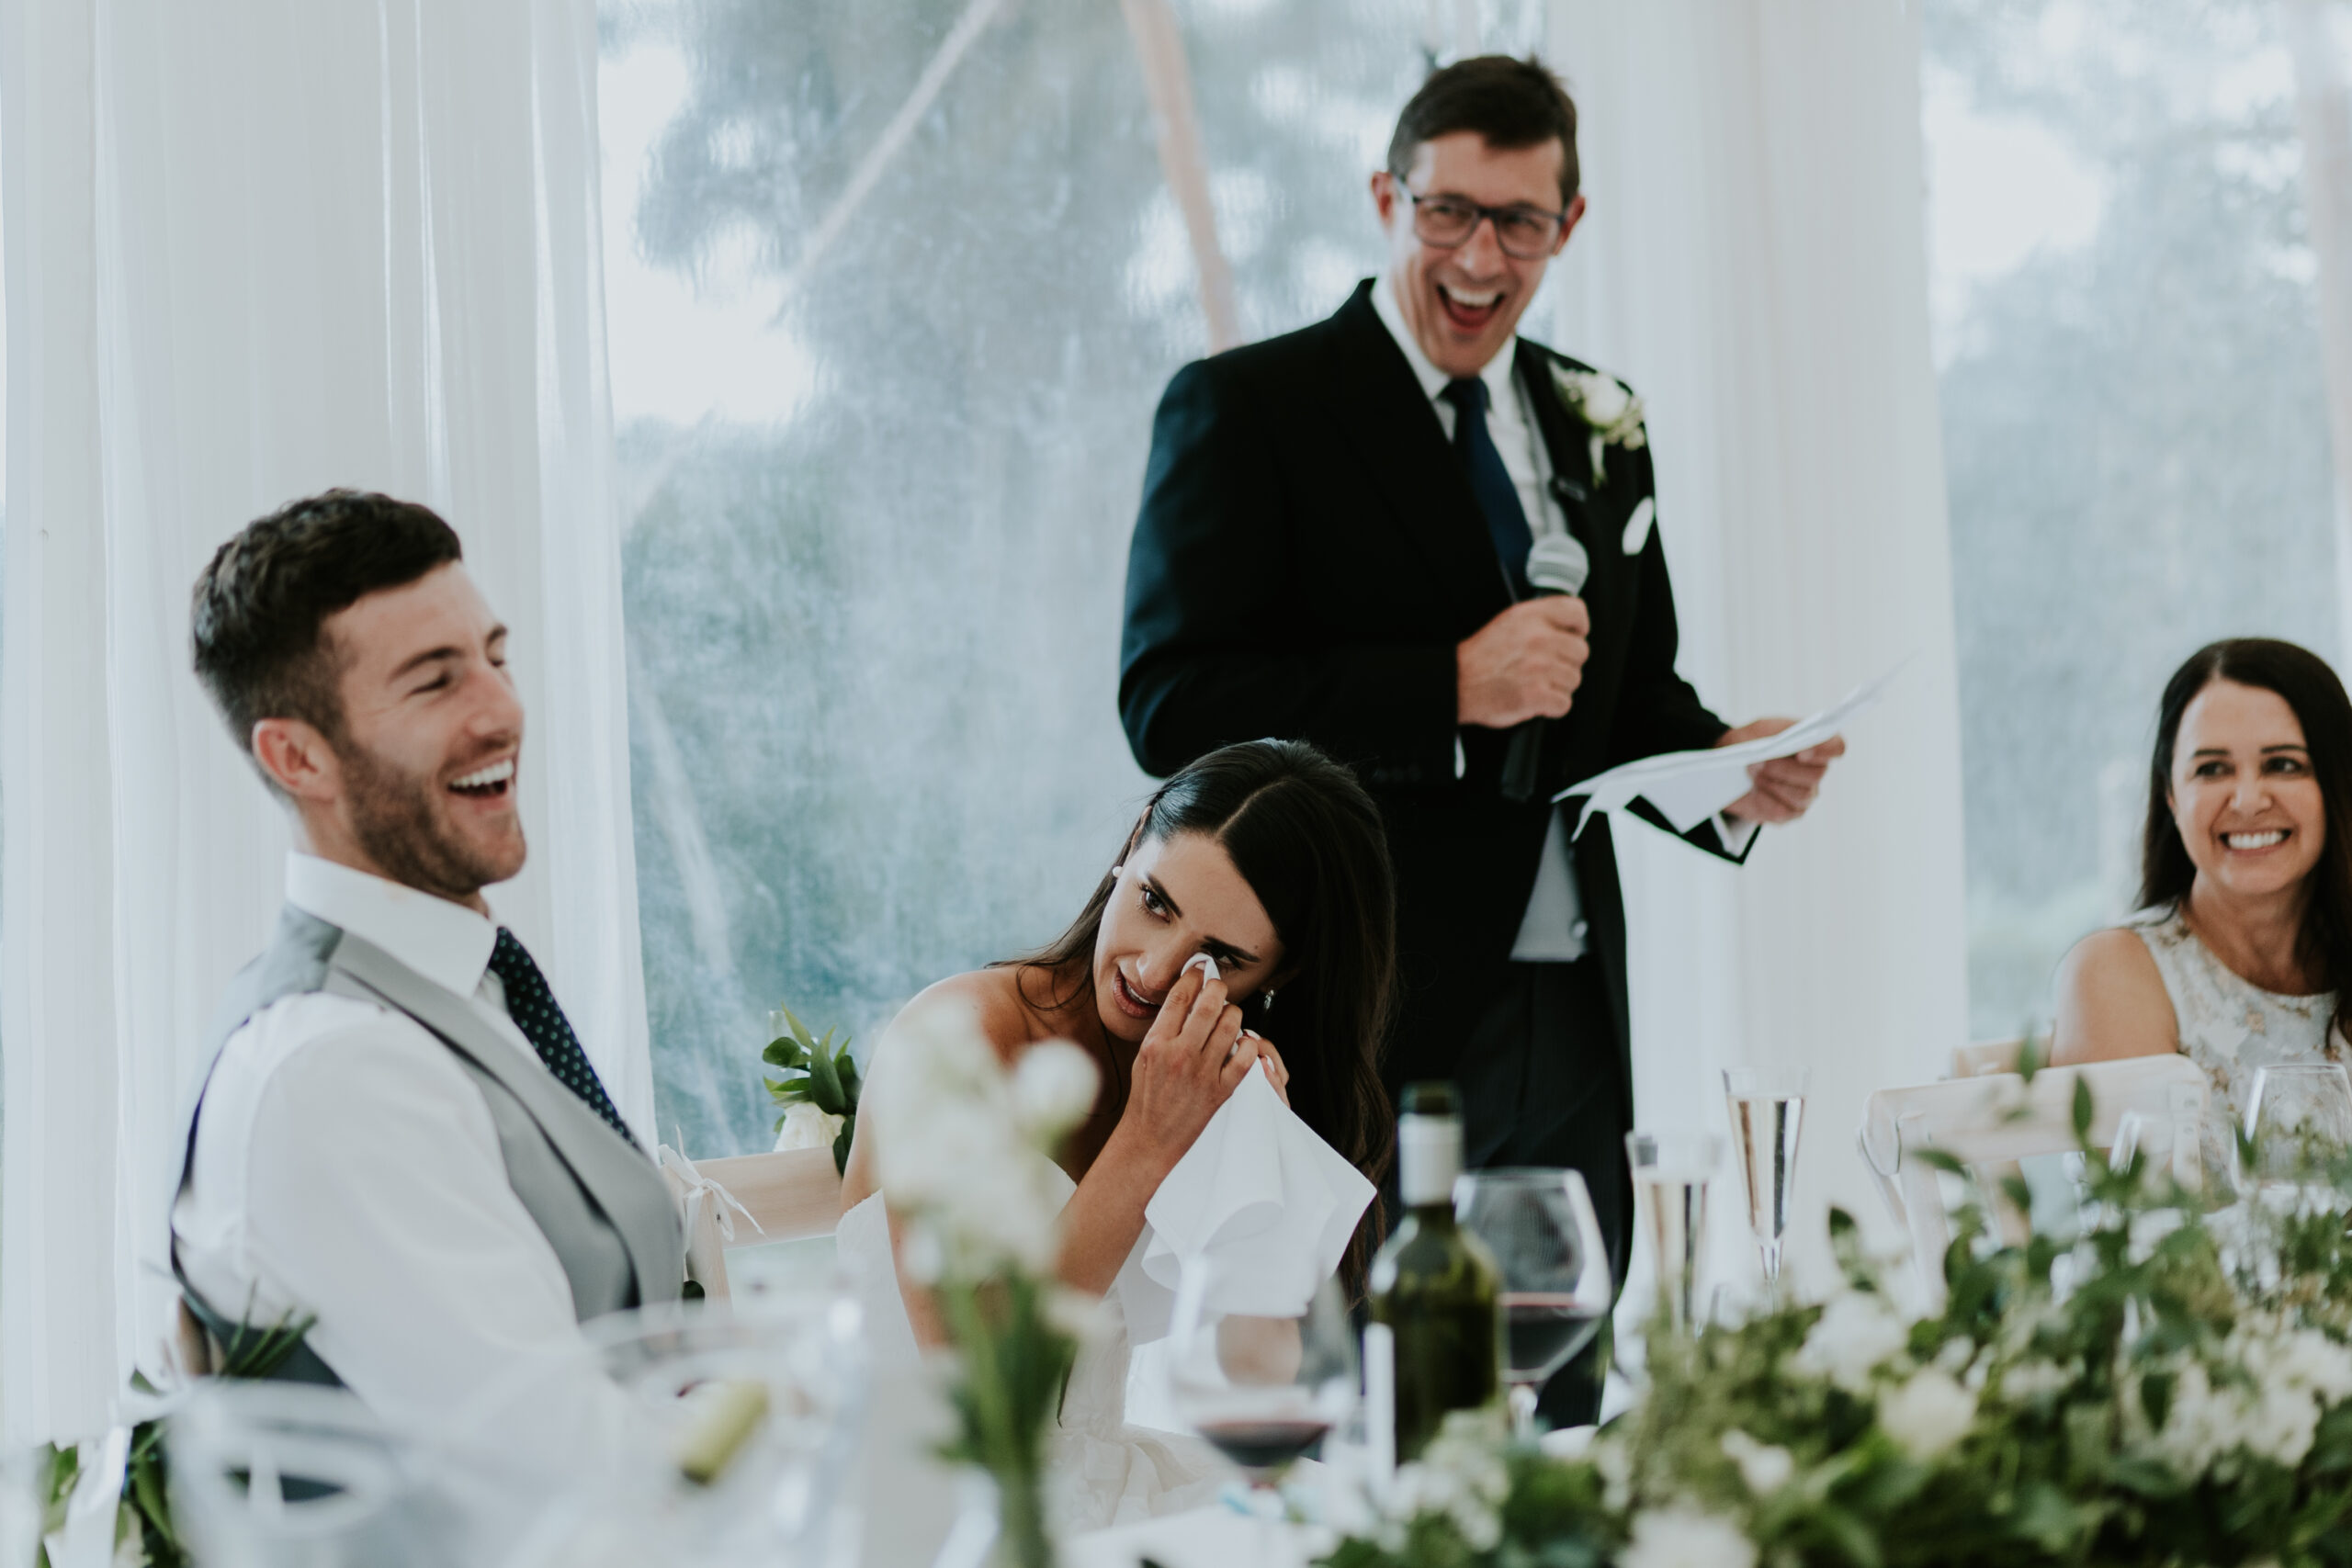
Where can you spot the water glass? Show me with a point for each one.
(286, 1476)
(24, 1496)
(1557, 1287)
(754, 1413)
(1262, 1381)
(1671, 1170)
(2298, 1124)
(1767, 1115)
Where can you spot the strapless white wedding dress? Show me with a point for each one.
(1105, 1469)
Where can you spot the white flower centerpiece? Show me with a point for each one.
(2134, 1398)
(967, 1164)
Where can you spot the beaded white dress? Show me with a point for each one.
(2228, 1025)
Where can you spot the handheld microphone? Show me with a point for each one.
(1555, 564)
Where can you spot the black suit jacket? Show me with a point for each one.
(1308, 553)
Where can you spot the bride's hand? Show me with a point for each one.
(1187, 1066)
(1277, 1074)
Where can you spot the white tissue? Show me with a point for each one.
(1258, 1189)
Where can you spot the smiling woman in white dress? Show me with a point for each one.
(2239, 956)
(1268, 858)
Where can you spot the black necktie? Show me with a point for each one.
(1490, 481)
(533, 1008)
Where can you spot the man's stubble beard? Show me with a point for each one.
(393, 821)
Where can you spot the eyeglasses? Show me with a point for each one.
(1525, 234)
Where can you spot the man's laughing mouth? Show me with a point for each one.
(492, 782)
(1469, 310)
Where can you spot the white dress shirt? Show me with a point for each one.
(1552, 930)
(345, 1166)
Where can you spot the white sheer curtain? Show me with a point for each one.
(257, 248)
(1753, 263)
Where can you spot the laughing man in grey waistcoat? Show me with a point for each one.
(397, 1134)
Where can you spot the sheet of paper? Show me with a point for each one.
(1688, 787)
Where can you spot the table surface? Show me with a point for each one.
(1213, 1537)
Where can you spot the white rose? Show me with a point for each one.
(2280, 1423)
(1461, 1475)
(1684, 1537)
(1605, 399)
(1858, 1332)
(1616, 1464)
(806, 1127)
(2318, 1363)
(930, 1152)
(2292, 1376)
(1053, 1088)
(2029, 1380)
(1927, 1415)
(999, 1208)
(1765, 1467)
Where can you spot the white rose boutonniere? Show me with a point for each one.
(1611, 410)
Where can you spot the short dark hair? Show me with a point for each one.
(2303, 679)
(1511, 103)
(261, 605)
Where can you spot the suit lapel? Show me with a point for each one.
(1595, 514)
(1398, 438)
(616, 1175)
(1584, 506)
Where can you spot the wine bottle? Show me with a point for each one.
(1436, 1291)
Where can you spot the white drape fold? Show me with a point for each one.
(256, 249)
(1754, 263)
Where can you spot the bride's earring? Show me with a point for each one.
(1267, 997)
(1117, 872)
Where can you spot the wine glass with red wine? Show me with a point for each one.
(1261, 1377)
(1540, 1228)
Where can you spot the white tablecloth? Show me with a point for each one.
(1214, 1536)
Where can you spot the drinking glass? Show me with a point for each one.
(1671, 1170)
(24, 1494)
(754, 1411)
(2297, 1121)
(1557, 1287)
(1766, 1113)
(288, 1476)
(1260, 1378)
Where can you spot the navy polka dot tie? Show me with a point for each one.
(533, 1008)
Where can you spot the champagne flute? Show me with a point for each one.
(1263, 1380)
(1671, 1170)
(1766, 1113)
(1540, 1228)
(2297, 1120)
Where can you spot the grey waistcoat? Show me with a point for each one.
(603, 1205)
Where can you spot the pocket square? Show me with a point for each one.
(1637, 527)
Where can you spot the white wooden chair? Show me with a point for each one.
(750, 1200)
(1985, 1057)
(2000, 1118)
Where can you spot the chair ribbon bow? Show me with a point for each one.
(701, 1189)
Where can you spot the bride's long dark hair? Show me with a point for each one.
(1309, 840)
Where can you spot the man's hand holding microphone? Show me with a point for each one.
(1527, 662)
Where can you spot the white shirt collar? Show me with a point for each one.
(1497, 374)
(447, 943)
